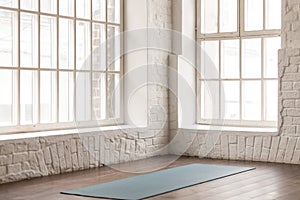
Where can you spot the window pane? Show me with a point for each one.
(113, 96)
(113, 48)
(254, 15)
(230, 59)
(99, 10)
(48, 42)
(48, 6)
(209, 16)
(228, 15)
(83, 9)
(48, 96)
(66, 96)
(28, 97)
(83, 96)
(83, 45)
(273, 14)
(230, 100)
(251, 100)
(99, 47)
(9, 3)
(29, 37)
(99, 96)
(8, 38)
(8, 100)
(113, 11)
(66, 7)
(210, 59)
(29, 4)
(272, 46)
(66, 44)
(271, 100)
(251, 52)
(209, 99)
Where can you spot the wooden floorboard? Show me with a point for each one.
(268, 181)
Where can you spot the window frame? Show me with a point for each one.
(38, 126)
(240, 34)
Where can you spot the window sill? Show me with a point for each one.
(16, 136)
(233, 130)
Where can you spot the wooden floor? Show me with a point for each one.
(268, 181)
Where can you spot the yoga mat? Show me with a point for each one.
(160, 182)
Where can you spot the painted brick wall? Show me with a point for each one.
(284, 148)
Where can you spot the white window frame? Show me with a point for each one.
(18, 128)
(240, 34)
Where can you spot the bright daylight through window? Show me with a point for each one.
(56, 68)
(238, 83)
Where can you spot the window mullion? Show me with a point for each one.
(75, 65)
(91, 60)
(38, 67)
(262, 80)
(240, 80)
(264, 14)
(221, 116)
(241, 17)
(219, 16)
(107, 62)
(241, 31)
(57, 62)
(19, 66)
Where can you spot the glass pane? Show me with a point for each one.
(29, 4)
(99, 96)
(113, 95)
(210, 100)
(29, 40)
(230, 59)
(66, 44)
(83, 96)
(66, 7)
(9, 3)
(113, 48)
(113, 11)
(66, 96)
(254, 15)
(228, 15)
(28, 97)
(83, 9)
(230, 100)
(272, 45)
(251, 100)
(8, 38)
(83, 45)
(8, 100)
(48, 6)
(271, 100)
(210, 59)
(209, 16)
(273, 14)
(99, 47)
(48, 41)
(251, 58)
(99, 10)
(48, 96)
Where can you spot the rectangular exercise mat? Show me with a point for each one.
(160, 182)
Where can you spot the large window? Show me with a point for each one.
(238, 79)
(59, 63)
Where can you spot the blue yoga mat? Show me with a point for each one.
(152, 184)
